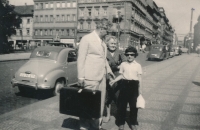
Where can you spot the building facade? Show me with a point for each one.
(55, 20)
(24, 34)
(197, 33)
(135, 22)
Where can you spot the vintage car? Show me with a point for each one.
(183, 49)
(159, 52)
(171, 51)
(49, 67)
(177, 50)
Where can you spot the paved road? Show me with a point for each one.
(171, 89)
(12, 99)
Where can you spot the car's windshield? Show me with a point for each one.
(44, 54)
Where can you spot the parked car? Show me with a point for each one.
(49, 67)
(183, 49)
(159, 52)
(171, 51)
(176, 49)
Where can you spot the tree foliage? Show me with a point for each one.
(8, 22)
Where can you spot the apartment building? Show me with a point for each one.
(55, 20)
(24, 34)
(132, 23)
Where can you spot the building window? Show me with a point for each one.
(46, 5)
(51, 5)
(46, 33)
(28, 21)
(46, 18)
(72, 32)
(81, 12)
(63, 17)
(51, 32)
(57, 18)
(67, 32)
(81, 25)
(63, 4)
(57, 32)
(105, 11)
(41, 5)
(58, 5)
(41, 18)
(20, 32)
(36, 18)
(74, 4)
(51, 18)
(74, 17)
(68, 17)
(89, 25)
(89, 12)
(62, 32)
(97, 12)
(41, 32)
(68, 4)
(36, 6)
(27, 31)
(36, 32)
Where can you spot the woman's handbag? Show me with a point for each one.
(140, 102)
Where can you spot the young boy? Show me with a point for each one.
(131, 85)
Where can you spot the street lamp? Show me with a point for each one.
(118, 26)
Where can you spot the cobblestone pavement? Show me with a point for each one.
(171, 89)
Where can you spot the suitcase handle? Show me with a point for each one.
(81, 88)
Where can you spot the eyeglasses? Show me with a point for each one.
(129, 54)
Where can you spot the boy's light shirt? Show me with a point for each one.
(130, 71)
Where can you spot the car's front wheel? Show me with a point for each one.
(59, 84)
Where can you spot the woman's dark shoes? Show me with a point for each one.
(121, 127)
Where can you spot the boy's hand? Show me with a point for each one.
(112, 82)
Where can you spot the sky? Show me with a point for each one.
(177, 11)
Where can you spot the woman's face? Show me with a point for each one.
(112, 44)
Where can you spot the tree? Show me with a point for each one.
(8, 23)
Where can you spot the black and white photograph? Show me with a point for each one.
(99, 64)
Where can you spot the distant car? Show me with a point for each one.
(183, 49)
(49, 67)
(171, 51)
(159, 52)
(176, 49)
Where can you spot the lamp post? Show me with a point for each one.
(118, 26)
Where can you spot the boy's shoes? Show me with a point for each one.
(106, 119)
(133, 127)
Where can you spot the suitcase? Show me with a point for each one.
(85, 104)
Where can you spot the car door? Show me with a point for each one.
(72, 66)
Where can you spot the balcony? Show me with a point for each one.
(168, 32)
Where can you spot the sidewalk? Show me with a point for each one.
(171, 89)
(14, 56)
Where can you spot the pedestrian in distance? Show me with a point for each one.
(198, 50)
(92, 67)
(131, 85)
(115, 57)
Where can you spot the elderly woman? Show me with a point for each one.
(115, 57)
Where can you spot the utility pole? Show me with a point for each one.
(191, 20)
(190, 34)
